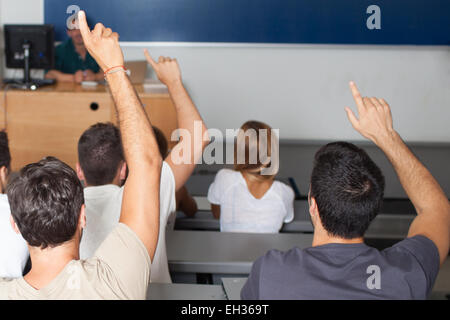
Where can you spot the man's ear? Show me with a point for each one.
(123, 171)
(80, 172)
(3, 177)
(313, 210)
(13, 224)
(82, 218)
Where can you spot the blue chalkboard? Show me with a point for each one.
(416, 22)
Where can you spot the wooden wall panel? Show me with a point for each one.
(49, 121)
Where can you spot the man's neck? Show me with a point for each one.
(48, 263)
(116, 183)
(80, 49)
(321, 237)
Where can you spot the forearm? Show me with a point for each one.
(187, 117)
(59, 76)
(140, 146)
(140, 201)
(421, 187)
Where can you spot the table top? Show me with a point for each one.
(68, 87)
(181, 291)
(223, 252)
(384, 226)
(233, 287)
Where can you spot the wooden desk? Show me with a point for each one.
(50, 120)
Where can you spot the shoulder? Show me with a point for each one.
(121, 237)
(417, 255)
(284, 190)
(122, 261)
(63, 45)
(272, 264)
(226, 175)
(278, 259)
(5, 285)
(419, 247)
(265, 269)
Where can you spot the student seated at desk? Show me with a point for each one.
(346, 194)
(247, 199)
(13, 248)
(73, 63)
(102, 167)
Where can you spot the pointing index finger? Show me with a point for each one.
(149, 59)
(84, 28)
(357, 97)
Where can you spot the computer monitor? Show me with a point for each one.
(29, 46)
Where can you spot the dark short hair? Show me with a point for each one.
(46, 199)
(348, 188)
(100, 153)
(161, 141)
(5, 156)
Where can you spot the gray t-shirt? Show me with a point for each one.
(406, 270)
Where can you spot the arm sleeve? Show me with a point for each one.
(250, 291)
(216, 188)
(167, 192)
(423, 265)
(288, 198)
(125, 262)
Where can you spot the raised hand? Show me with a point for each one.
(166, 69)
(102, 43)
(375, 119)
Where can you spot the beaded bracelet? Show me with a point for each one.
(117, 69)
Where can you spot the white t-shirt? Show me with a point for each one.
(103, 205)
(240, 211)
(13, 248)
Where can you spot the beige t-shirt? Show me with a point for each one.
(119, 269)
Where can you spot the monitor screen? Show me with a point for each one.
(41, 41)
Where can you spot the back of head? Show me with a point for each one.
(253, 149)
(46, 199)
(100, 153)
(5, 156)
(348, 188)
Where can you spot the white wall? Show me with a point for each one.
(302, 90)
